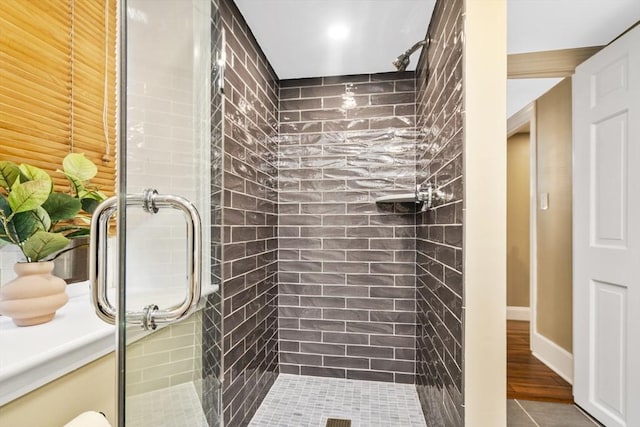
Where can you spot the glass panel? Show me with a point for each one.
(169, 146)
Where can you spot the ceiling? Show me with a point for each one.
(539, 25)
(310, 38)
(301, 37)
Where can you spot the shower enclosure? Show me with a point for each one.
(160, 264)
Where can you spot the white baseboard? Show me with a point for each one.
(552, 355)
(518, 313)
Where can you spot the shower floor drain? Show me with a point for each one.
(334, 422)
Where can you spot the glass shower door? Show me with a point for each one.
(163, 258)
(168, 149)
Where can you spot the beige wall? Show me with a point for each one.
(90, 388)
(554, 235)
(518, 158)
(485, 255)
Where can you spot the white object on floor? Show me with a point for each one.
(89, 419)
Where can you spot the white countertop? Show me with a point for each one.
(32, 356)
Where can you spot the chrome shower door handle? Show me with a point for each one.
(98, 260)
(152, 202)
(150, 316)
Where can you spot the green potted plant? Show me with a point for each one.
(41, 222)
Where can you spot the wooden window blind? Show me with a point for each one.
(57, 84)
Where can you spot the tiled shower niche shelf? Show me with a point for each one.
(33, 356)
(398, 198)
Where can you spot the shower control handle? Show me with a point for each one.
(431, 195)
(151, 202)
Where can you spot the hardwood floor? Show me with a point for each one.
(527, 377)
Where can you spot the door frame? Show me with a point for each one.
(548, 352)
(543, 64)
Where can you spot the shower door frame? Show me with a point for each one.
(121, 194)
(215, 47)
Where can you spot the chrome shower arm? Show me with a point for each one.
(417, 46)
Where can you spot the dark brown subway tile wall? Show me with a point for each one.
(347, 264)
(439, 274)
(250, 208)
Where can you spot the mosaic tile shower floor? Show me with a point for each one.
(176, 406)
(300, 401)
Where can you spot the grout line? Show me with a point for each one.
(525, 411)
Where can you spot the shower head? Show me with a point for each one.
(402, 62)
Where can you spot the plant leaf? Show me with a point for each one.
(43, 244)
(61, 206)
(9, 171)
(29, 195)
(5, 211)
(43, 218)
(26, 224)
(32, 173)
(4, 206)
(4, 236)
(75, 182)
(22, 225)
(79, 166)
(92, 194)
(66, 229)
(82, 232)
(89, 205)
(91, 199)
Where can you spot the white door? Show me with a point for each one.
(606, 233)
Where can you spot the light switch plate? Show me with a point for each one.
(544, 201)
